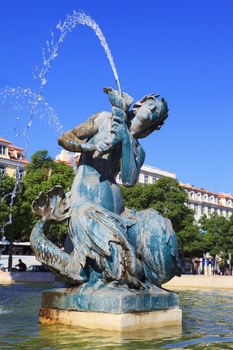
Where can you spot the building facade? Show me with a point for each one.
(12, 159)
(204, 202)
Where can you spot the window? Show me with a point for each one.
(146, 179)
(2, 150)
(154, 180)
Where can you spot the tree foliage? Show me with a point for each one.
(218, 237)
(41, 175)
(170, 200)
(11, 209)
(6, 188)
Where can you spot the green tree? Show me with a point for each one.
(6, 188)
(218, 237)
(12, 217)
(37, 174)
(165, 196)
(41, 175)
(170, 200)
(190, 239)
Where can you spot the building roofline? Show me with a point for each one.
(15, 147)
(150, 170)
(9, 160)
(217, 194)
(210, 204)
(5, 141)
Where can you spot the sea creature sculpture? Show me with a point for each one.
(106, 241)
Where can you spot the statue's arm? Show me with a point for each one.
(133, 154)
(76, 140)
(132, 159)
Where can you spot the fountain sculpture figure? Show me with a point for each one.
(111, 252)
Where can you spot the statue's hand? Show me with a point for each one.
(102, 148)
(122, 101)
(88, 147)
(119, 131)
(119, 127)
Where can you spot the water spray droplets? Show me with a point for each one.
(21, 102)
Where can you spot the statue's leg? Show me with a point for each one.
(155, 242)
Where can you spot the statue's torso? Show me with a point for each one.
(95, 178)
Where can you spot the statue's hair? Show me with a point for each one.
(144, 99)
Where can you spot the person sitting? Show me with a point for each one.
(21, 265)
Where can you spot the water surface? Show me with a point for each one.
(207, 324)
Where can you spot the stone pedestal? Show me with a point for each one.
(110, 308)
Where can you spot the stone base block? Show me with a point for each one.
(105, 306)
(122, 322)
(110, 299)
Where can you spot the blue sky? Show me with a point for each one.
(180, 49)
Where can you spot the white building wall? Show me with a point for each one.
(206, 202)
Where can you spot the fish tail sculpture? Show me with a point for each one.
(54, 206)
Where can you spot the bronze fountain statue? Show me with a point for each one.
(115, 259)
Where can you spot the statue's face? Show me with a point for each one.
(148, 110)
(143, 116)
(148, 116)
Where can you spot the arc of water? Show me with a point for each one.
(51, 52)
